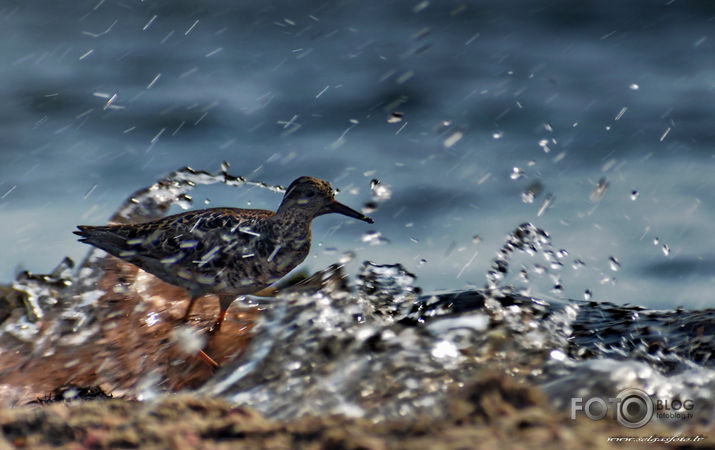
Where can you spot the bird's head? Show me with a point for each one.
(314, 197)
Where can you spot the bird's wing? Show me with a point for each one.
(197, 236)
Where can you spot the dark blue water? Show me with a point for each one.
(101, 98)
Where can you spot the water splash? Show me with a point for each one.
(387, 351)
(525, 238)
(387, 288)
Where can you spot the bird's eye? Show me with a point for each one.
(310, 194)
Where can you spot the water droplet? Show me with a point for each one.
(633, 87)
(395, 117)
(369, 208)
(549, 255)
(577, 264)
(544, 144)
(548, 127)
(562, 253)
(346, 257)
(374, 238)
(380, 192)
(189, 340)
(420, 6)
(225, 166)
(422, 261)
(587, 294)
(497, 135)
(188, 243)
(453, 139)
(613, 262)
(558, 355)
(443, 126)
(546, 203)
(184, 201)
(516, 173)
(148, 388)
(152, 319)
(524, 275)
(531, 192)
(445, 349)
(557, 289)
(656, 240)
(634, 194)
(666, 249)
(599, 191)
(621, 112)
(476, 239)
(665, 134)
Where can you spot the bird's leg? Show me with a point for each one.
(188, 310)
(224, 302)
(217, 325)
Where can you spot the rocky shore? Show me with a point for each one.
(495, 411)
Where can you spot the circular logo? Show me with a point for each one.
(634, 409)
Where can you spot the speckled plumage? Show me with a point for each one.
(225, 251)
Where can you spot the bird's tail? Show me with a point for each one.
(111, 239)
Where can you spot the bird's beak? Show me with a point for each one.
(337, 207)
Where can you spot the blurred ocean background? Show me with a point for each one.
(603, 112)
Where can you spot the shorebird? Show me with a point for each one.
(228, 252)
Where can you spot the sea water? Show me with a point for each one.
(593, 124)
